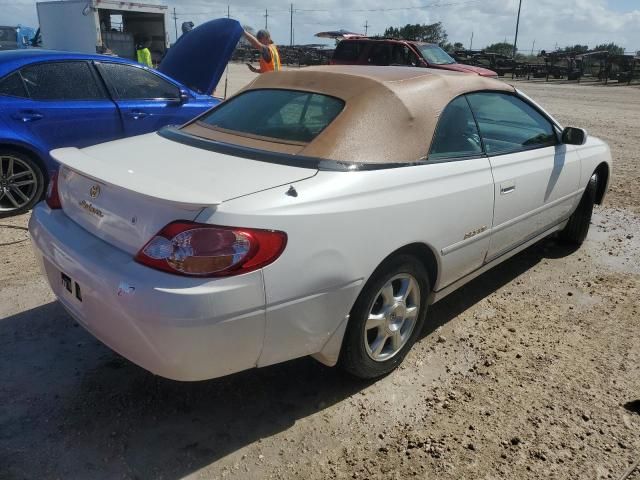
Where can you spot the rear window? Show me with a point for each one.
(348, 51)
(287, 115)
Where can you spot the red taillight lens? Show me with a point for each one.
(53, 199)
(201, 250)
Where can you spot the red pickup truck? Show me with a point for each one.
(374, 51)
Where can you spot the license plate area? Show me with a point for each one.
(71, 286)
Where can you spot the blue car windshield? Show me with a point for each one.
(286, 115)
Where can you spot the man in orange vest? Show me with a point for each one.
(269, 56)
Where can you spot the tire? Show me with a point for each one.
(575, 232)
(21, 183)
(373, 351)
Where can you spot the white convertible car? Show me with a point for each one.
(317, 212)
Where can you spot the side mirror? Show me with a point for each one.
(183, 97)
(574, 136)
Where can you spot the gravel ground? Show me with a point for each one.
(530, 371)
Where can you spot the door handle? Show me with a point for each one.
(136, 115)
(506, 188)
(26, 116)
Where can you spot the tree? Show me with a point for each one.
(577, 48)
(501, 48)
(612, 48)
(243, 40)
(430, 33)
(458, 46)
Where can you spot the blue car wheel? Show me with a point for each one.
(21, 183)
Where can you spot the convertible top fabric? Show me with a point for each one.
(390, 113)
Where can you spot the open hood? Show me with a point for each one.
(199, 57)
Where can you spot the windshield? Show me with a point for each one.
(434, 55)
(8, 38)
(287, 115)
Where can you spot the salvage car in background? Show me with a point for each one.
(52, 99)
(322, 223)
(388, 51)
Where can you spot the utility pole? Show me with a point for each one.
(366, 27)
(471, 43)
(175, 22)
(266, 19)
(291, 27)
(515, 42)
(533, 47)
(228, 12)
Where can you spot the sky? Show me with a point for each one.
(548, 23)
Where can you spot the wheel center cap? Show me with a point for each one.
(396, 317)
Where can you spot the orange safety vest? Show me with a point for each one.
(274, 64)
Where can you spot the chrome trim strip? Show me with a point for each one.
(443, 292)
(533, 212)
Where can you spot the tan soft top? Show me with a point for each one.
(390, 113)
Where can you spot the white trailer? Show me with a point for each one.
(103, 26)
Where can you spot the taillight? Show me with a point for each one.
(53, 199)
(195, 249)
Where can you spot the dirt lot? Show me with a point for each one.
(530, 371)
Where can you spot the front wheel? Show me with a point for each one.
(21, 183)
(387, 318)
(578, 225)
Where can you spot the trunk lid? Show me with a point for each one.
(199, 57)
(125, 191)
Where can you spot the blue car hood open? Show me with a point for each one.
(199, 57)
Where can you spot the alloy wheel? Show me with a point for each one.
(392, 317)
(18, 183)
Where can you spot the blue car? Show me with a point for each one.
(51, 99)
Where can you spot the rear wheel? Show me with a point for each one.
(21, 183)
(578, 225)
(387, 318)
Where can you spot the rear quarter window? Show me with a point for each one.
(12, 86)
(348, 51)
(286, 115)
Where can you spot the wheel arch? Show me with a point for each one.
(332, 349)
(427, 257)
(31, 152)
(602, 172)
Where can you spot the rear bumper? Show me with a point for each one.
(176, 327)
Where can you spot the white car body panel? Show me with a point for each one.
(533, 189)
(383, 211)
(177, 327)
(161, 168)
(340, 226)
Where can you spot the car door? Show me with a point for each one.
(146, 101)
(467, 191)
(62, 104)
(536, 177)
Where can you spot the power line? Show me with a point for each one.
(357, 10)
